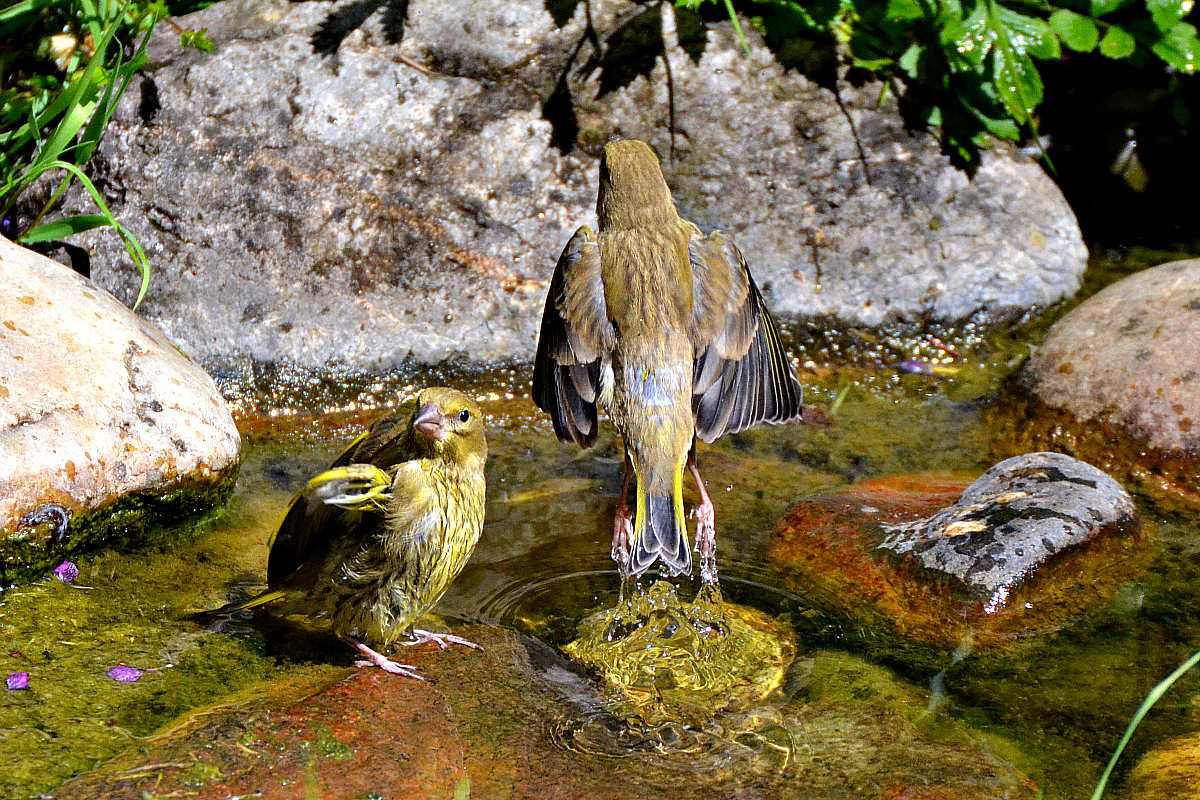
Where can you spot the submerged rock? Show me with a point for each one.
(1023, 550)
(1169, 771)
(1117, 381)
(100, 415)
(1012, 520)
(515, 719)
(308, 196)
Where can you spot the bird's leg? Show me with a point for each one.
(376, 659)
(443, 640)
(706, 525)
(623, 523)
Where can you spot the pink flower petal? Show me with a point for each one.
(125, 674)
(66, 572)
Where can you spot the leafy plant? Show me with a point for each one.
(54, 120)
(969, 68)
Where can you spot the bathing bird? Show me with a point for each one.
(664, 328)
(372, 543)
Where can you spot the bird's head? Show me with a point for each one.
(633, 191)
(449, 424)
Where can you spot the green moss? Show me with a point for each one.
(139, 519)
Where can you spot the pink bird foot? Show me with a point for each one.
(443, 640)
(376, 659)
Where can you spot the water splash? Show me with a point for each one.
(670, 664)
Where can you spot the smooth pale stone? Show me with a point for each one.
(96, 403)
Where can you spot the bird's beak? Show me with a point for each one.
(431, 422)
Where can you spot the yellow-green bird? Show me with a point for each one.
(372, 543)
(664, 328)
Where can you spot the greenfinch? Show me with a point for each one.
(664, 328)
(372, 543)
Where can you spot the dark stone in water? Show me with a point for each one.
(1013, 519)
(929, 560)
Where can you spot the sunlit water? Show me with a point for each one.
(542, 569)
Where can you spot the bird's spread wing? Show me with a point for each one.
(741, 374)
(575, 339)
(337, 504)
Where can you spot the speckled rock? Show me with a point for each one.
(307, 196)
(1012, 520)
(1130, 355)
(534, 729)
(1117, 383)
(927, 559)
(98, 412)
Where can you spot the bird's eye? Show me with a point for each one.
(464, 415)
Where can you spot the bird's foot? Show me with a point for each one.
(49, 512)
(622, 536)
(443, 640)
(377, 659)
(706, 540)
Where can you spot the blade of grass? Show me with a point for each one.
(62, 228)
(1152, 698)
(737, 26)
(131, 243)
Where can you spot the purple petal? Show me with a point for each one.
(915, 367)
(17, 680)
(125, 674)
(66, 572)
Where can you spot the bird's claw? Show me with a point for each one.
(443, 640)
(354, 487)
(371, 658)
(387, 665)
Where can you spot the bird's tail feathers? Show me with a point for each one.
(659, 529)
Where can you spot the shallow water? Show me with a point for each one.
(542, 566)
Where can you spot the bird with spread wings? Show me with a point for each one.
(665, 329)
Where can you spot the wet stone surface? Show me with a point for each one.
(1012, 520)
(534, 729)
(915, 561)
(1117, 383)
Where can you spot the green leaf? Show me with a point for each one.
(1014, 75)
(1166, 13)
(904, 10)
(1101, 7)
(62, 228)
(1077, 31)
(1117, 43)
(1179, 47)
(910, 62)
(197, 39)
(970, 39)
(1028, 34)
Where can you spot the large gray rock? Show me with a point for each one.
(1130, 357)
(350, 208)
(96, 405)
